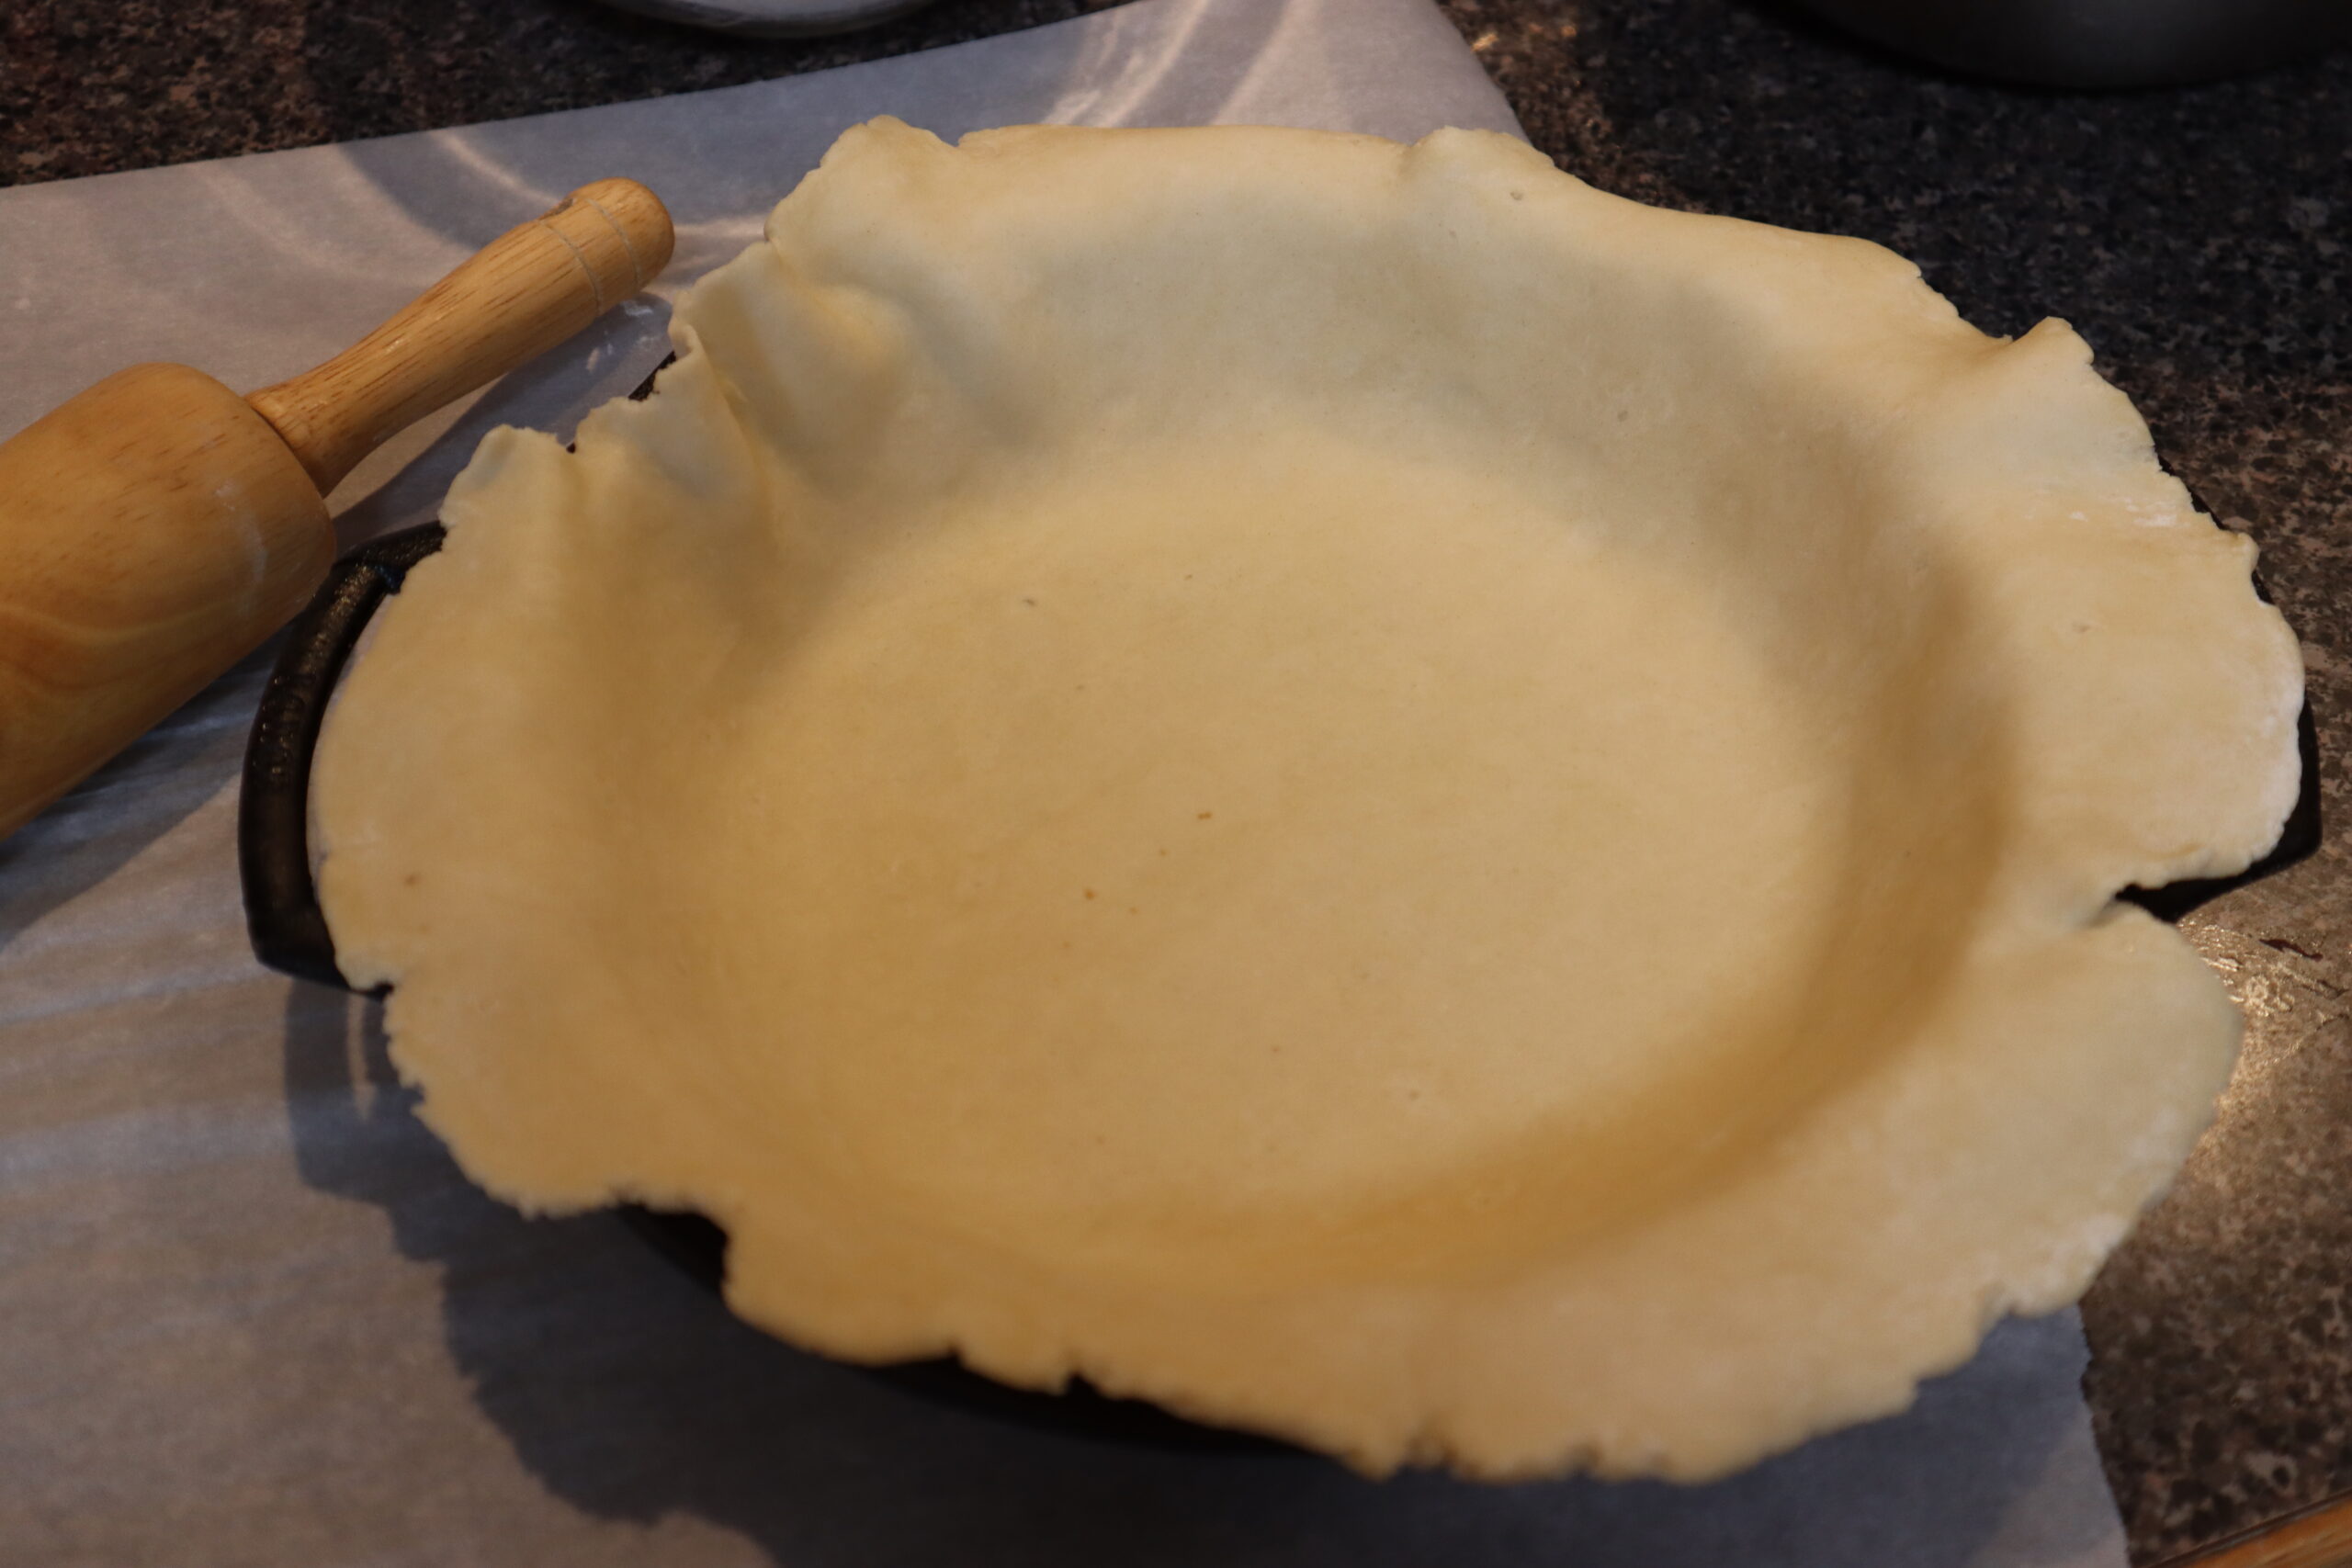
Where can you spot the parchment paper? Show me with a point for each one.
(249, 1311)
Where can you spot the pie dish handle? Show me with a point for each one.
(282, 915)
(283, 919)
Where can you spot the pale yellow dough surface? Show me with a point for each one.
(1351, 787)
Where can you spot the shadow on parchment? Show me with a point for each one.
(630, 1394)
(105, 821)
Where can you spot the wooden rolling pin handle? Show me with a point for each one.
(157, 526)
(522, 293)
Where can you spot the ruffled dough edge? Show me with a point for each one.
(1981, 1170)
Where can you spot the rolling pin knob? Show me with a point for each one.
(522, 293)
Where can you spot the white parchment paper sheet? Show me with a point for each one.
(250, 1314)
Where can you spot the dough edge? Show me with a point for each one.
(1702, 1343)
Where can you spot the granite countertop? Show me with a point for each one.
(2197, 237)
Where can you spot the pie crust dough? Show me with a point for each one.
(1351, 787)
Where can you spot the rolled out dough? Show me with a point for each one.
(1349, 786)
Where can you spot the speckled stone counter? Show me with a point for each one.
(2199, 238)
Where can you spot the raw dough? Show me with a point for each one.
(1351, 787)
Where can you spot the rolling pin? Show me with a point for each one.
(156, 528)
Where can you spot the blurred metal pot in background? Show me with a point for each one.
(2100, 43)
(773, 18)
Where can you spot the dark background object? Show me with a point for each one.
(2100, 43)
(778, 19)
(2197, 237)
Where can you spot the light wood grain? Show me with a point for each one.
(157, 527)
(2320, 1538)
(522, 293)
(152, 532)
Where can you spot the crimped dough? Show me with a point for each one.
(1352, 788)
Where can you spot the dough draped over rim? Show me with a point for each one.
(1349, 786)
